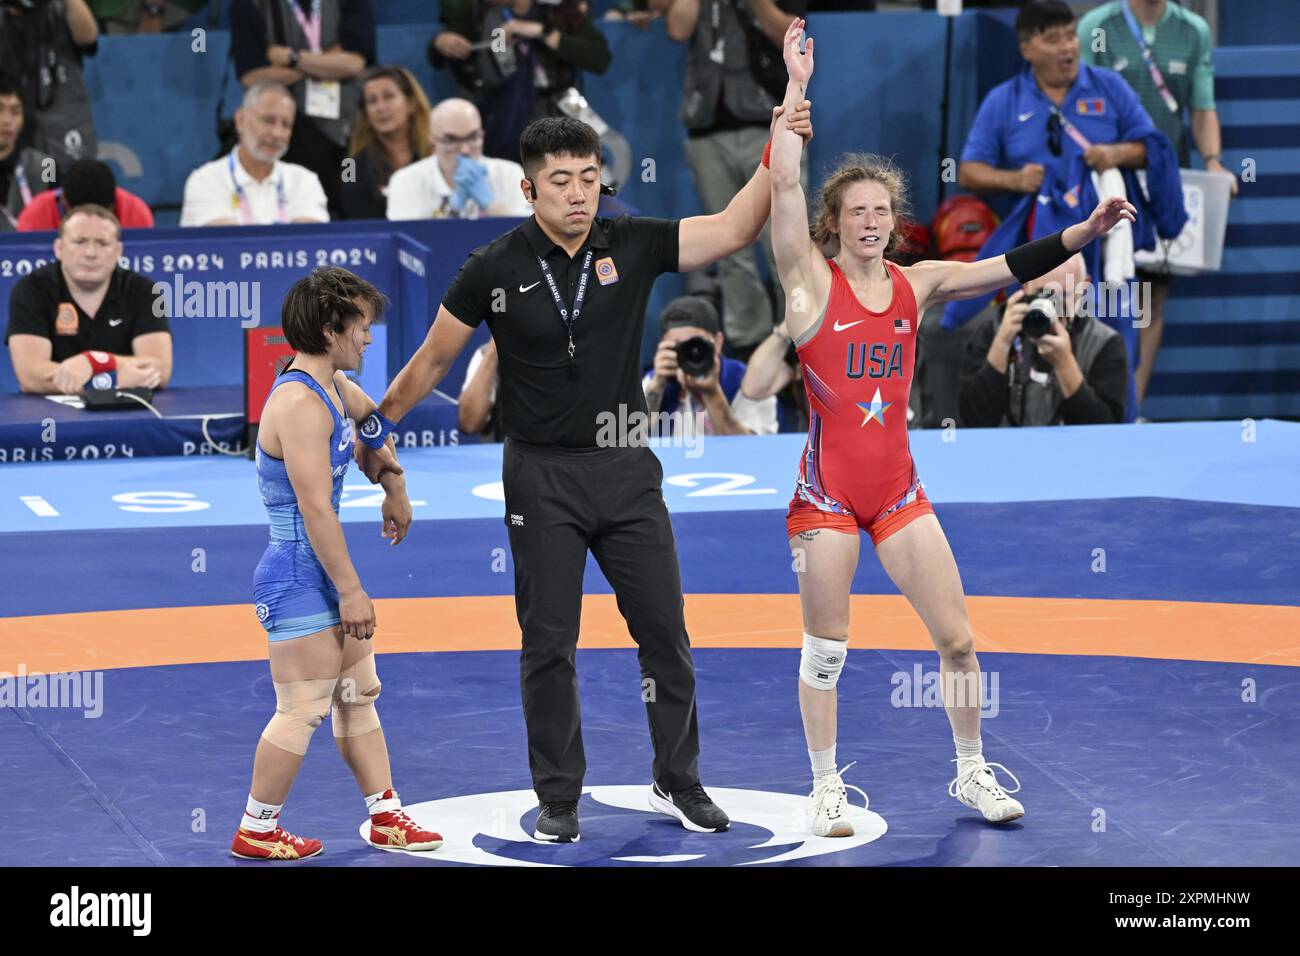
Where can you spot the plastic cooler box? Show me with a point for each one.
(1199, 247)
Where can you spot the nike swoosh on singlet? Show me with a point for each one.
(524, 288)
(841, 328)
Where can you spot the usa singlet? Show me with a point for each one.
(857, 470)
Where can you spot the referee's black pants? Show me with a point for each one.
(561, 502)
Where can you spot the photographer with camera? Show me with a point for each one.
(520, 73)
(1045, 361)
(690, 376)
(42, 43)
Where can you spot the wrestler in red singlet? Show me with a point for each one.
(856, 470)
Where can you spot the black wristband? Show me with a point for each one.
(1038, 258)
(294, 57)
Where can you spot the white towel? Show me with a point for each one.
(1117, 245)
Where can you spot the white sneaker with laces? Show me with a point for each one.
(829, 804)
(977, 787)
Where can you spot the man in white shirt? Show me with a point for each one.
(457, 181)
(709, 401)
(250, 186)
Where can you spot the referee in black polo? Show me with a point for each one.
(564, 295)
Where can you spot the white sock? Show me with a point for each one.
(969, 749)
(261, 817)
(383, 803)
(823, 762)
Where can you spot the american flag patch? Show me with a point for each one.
(902, 327)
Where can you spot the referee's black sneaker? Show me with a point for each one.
(691, 806)
(558, 822)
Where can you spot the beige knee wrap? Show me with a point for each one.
(300, 706)
(354, 699)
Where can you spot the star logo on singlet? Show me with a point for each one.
(875, 410)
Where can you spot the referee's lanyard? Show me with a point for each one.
(570, 316)
(243, 205)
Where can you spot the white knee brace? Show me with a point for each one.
(821, 661)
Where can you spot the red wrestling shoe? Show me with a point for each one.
(391, 829)
(278, 844)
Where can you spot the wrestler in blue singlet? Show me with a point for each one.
(293, 594)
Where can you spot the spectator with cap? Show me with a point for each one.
(83, 320)
(43, 44)
(251, 185)
(457, 181)
(692, 381)
(317, 49)
(24, 172)
(391, 133)
(87, 182)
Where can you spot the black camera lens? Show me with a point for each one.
(695, 356)
(1038, 319)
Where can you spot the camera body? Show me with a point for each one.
(695, 356)
(1042, 311)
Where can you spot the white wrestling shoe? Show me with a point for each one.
(829, 804)
(978, 789)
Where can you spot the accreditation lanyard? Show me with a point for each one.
(310, 28)
(570, 316)
(244, 206)
(1156, 76)
(1071, 130)
(20, 177)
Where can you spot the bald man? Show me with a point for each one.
(457, 181)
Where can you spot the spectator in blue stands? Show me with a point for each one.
(457, 181)
(22, 172)
(87, 182)
(1059, 137)
(692, 381)
(547, 44)
(250, 185)
(1179, 77)
(734, 78)
(318, 49)
(83, 320)
(391, 133)
(43, 45)
(144, 16)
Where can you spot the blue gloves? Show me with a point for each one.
(471, 179)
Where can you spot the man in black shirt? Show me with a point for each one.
(1074, 373)
(84, 319)
(564, 295)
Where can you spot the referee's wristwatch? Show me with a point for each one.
(294, 58)
(784, 337)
